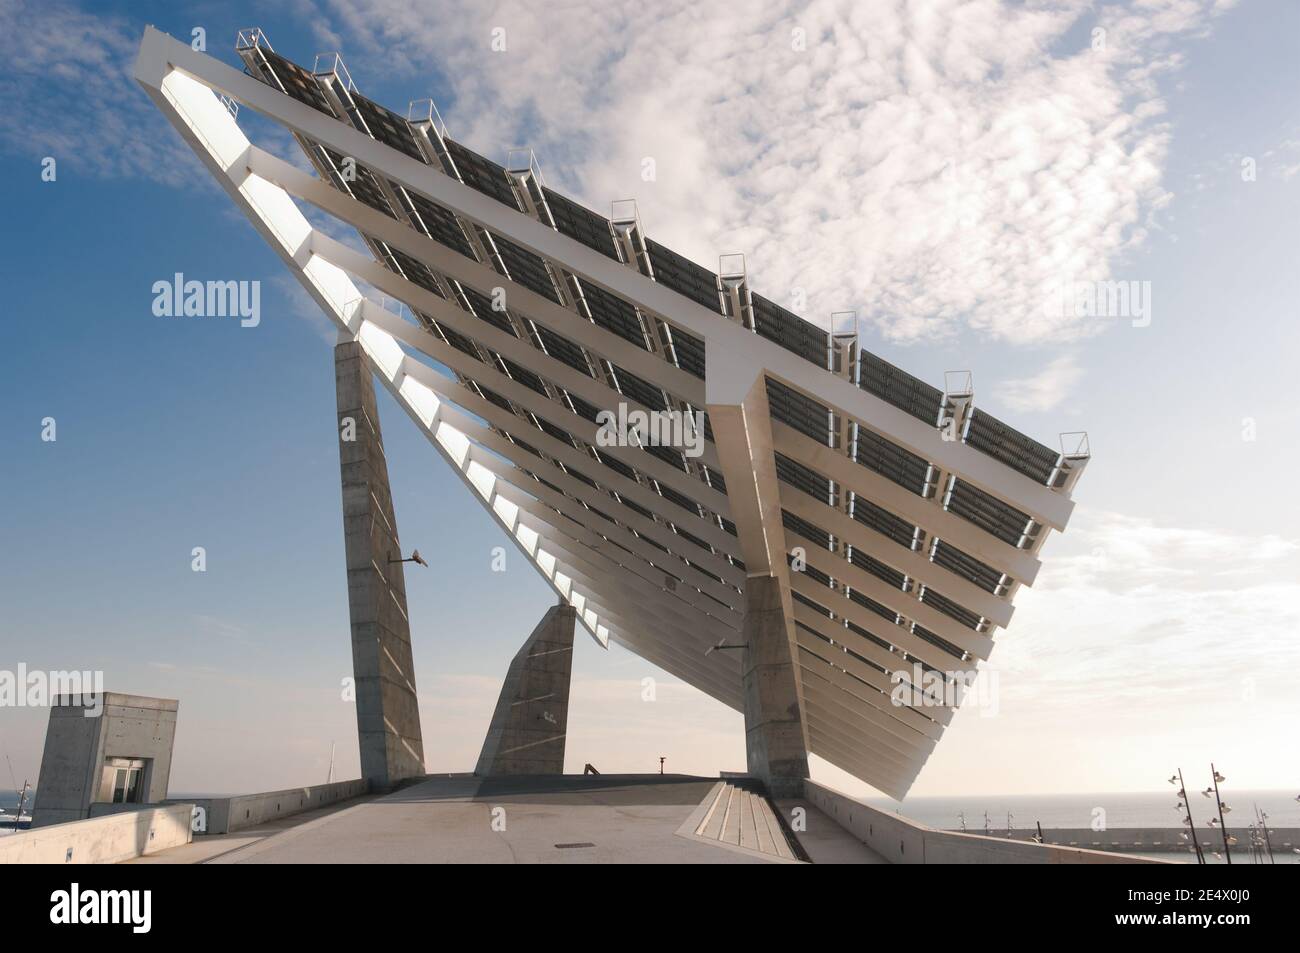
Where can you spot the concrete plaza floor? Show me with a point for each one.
(463, 819)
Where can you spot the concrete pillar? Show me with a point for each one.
(776, 747)
(388, 714)
(527, 732)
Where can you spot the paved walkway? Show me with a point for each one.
(556, 819)
(460, 819)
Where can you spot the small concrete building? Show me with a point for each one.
(107, 749)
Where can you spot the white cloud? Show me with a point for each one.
(69, 94)
(937, 165)
(1141, 610)
(1044, 390)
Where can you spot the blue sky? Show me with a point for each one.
(1170, 603)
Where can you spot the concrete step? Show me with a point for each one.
(739, 814)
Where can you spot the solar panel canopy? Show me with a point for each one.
(512, 322)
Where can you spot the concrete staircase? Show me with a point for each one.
(740, 815)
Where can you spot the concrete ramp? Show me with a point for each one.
(527, 732)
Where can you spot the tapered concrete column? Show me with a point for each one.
(388, 714)
(776, 743)
(776, 747)
(528, 728)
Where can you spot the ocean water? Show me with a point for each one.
(1144, 809)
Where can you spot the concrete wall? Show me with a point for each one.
(528, 728)
(221, 815)
(388, 711)
(776, 743)
(80, 740)
(902, 841)
(101, 840)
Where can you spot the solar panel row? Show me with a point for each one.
(804, 414)
(889, 576)
(890, 460)
(899, 388)
(386, 126)
(684, 276)
(806, 529)
(526, 268)
(988, 512)
(967, 566)
(790, 331)
(803, 478)
(482, 174)
(883, 522)
(1023, 454)
(951, 609)
(580, 224)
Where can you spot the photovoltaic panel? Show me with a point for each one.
(550, 429)
(481, 306)
(562, 349)
(482, 174)
(668, 455)
(923, 633)
(887, 575)
(388, 127)
(523, 375)
(579, 476)
(987, 512)
(580, 224)
(694, 540)
(804, 414)
(806, 529)
(618, 466)
(789, 330)
(704, 572)
(802, 477)
(416, 271)
(890, 460)
(967, 566)
(613, 314)
(690, 352)
(990, 435)
(583, 409)
(526, 268)
(951, 609)
(684, 276)
(637, 508)
(899, 388)
(440, 223)
(685, 502)
(639, 389)
(644, 537)
(815, 574)
(525, 446)
(863, 633)
(359, 180)
(884, 522)
(294, 80)
(458, 341)
(878, 608)
(493, 397)
(815, 606)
